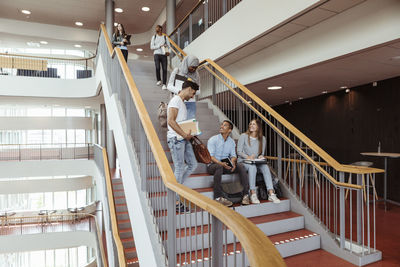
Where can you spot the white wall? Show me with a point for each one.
(47, 87)
(45, 185)
(369, 24)
(34, 168)
(38, 123)
(246, 21)
(33, 242)
(146, 239)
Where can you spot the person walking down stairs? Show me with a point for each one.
(179, 141)
(160, 44)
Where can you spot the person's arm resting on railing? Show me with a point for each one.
(172, 114)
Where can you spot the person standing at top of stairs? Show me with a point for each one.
(179, 141)
(187, 70)
(160, 44)
(222, 146)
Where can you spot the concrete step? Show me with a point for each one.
(125, 233)
(128, 242)
(270, 224)
(124, 224)
(288, 244)
(130, 253)
(119, 199)
(122, 215)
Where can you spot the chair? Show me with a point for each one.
(363, 164)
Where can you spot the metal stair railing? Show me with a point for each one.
(313, 175)
(210, 234)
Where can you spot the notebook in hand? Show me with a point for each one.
(255, 161)
(191, 125)
(228, 161)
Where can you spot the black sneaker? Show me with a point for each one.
(181, 208)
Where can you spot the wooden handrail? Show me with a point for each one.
(259, 249)
(185, 17)
(330, 161)
(113, 214)
(43, 57)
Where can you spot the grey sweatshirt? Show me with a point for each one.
(244, 149)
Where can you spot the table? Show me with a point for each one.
(385, 156)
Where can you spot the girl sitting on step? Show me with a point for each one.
(251, 146)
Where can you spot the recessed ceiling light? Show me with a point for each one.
(324, 92)
(139, 49)
(300, 98)
(78, 23)
(33, 44)
(119, 10)
(77, 45)
(287, 101)
(347, 90)
(43, 42)
(396, 58)
(343, 87)
(27, 12)
(275, 87)
(145, 8)
(115, 24)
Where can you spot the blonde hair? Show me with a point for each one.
(259, 135)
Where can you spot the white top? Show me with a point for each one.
(176, 102)
(157, 42)
(175, 88)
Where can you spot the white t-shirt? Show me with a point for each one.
(176, 102)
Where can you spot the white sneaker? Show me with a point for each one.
(159, 83)
(254, 199)
(272, 197)
(164, 87)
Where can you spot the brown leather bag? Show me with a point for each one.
(200, 151)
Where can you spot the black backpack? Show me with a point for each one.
(232, 192)
(262, 192)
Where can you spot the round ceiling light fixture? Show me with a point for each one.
(44, 42)
(115, 24)
(139, 49)
(146, 9)
(343, 87)
(347, 90)
(78, 23)
(275, 87)
(324, 92)
(26, 12)
(78, 46)
(119, 10)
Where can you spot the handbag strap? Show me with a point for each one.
(195, 140)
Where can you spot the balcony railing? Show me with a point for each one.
(52, 223)
(20, 152)
(46, 67)
(202, 16)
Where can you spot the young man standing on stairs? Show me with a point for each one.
(159, 43)
(178, 140)
(222, 146)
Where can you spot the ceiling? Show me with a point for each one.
(90, 12)
(363, 67)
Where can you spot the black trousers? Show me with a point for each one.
(218, 170)
(161, 59)
(125, 54)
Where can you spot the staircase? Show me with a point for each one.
(284, 227)
(124, 223)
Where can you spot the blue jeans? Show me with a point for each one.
(181, 151)
(191, 110)
(252, 172)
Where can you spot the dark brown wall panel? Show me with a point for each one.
(345, 124)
